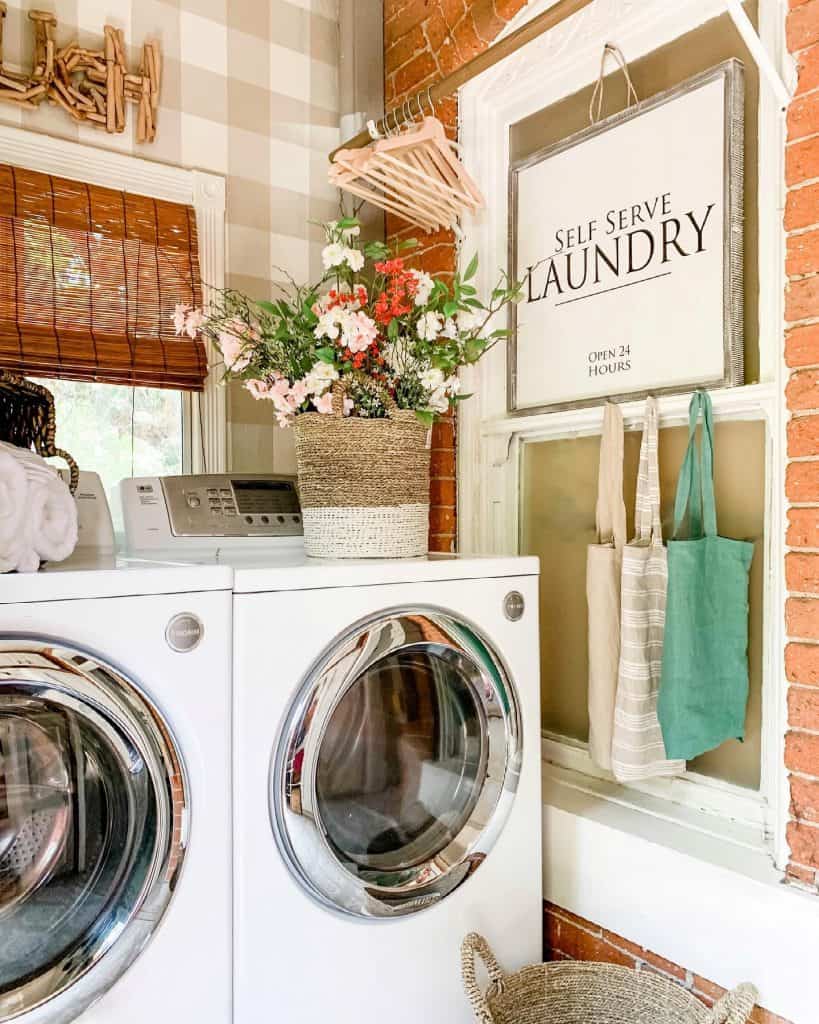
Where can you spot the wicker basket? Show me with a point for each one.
(363, 483)
(27, 420)
(572, 992)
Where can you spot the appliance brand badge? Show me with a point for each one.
(184, 632)
(513, 605)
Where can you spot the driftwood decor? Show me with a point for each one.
(89, 85)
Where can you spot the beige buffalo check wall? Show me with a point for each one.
(250, 91)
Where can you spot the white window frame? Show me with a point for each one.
(490, 439)
(205, 417)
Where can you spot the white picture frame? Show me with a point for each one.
(651, 197)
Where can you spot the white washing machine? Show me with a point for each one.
(115, 817)
(386, 783)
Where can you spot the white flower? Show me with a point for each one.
(438, 401)
(432, 378)
(331, 324)
(180, 316)
(429, 326)
(333, 255)
(354, 258)
(320, 378)
(423, 288)
(453, 385)
(450, 329)
(467, 321)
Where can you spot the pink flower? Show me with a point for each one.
(360, 332)
(299, 392)
(283, 420)
(349, 405)
(193, 321)
(258, 388)
(235, 357)
(180, 316)
(324, 404)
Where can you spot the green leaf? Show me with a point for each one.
(426, 416)
(471, 270)
(348, 222)
(474, 303)
(450, 308)
(502, 332)
(326, 355)
(268, 307)
(408, 243)
(393, 329)
(376, 251)
(467, 289)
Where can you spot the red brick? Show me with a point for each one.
(802, 390)
(795, 872)
(802, 618)
(507, 9)
(807, 64)
(802, 755)
(466, 39)
(437, 32)
(804, 799)
(442, 492)
(406, 47)
(666, 966)
(760, 1016)
(441, 520)
(803, 528)
(702, 986)
(453, 10)
(802, 346)
(802, 26)
(803, 710)
(803, 117)
(802, 207)
(413, 74)
(401, 18)
(802, 664)
(802, 572)
(804, 843)
(802, 299)
(803, 252)
(579, 922)
(625, 945)
(487, 23)
(580, 944)
(802, 161)
(803, 436)
(442, 543)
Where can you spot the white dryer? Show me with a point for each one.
(386, 783)
(115, 857)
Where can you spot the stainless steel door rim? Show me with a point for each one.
(106, 880)
(397, 764)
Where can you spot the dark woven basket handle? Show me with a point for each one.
(73, 469)
(340, 390)
(473, 946)
(734, 1007)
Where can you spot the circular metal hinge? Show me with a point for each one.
(513, 605)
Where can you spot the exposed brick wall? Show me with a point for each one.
(423, 40)
(802, 476)
(568, 937)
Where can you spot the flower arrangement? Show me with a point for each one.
(374, 324)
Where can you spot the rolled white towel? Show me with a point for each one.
(51, 512)
(19, 557)
(13, 493)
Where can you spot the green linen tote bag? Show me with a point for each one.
(704, 680)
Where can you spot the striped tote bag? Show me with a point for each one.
(638, 751)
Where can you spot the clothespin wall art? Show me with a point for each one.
(91, 86)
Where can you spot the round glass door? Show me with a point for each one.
(397, 765)
(92, 796)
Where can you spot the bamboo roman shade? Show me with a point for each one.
(89, 278)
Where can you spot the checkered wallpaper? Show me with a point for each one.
(250, 91)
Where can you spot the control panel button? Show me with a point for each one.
(194, 501)
(265, 520)
(249, 520)
(213, 492)
(280, 518)
(296, 519)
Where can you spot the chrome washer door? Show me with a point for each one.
(92, 801)
(396, 765)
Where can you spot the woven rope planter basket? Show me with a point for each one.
(588, 993)
(363, 483)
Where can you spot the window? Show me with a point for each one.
(118, 431)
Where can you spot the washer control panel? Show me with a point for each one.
(158, 509)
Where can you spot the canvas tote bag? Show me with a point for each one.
(603, 562)
(704, 688)
(638, 751)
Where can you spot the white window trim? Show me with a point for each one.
(205, 427)
(490, 439)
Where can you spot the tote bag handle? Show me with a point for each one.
(695, 488)
(610, 514)
(647, 520)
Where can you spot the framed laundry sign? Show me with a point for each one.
(628, 238)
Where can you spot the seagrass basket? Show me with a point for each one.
(27, 420)
(571, 992)
(363, 483)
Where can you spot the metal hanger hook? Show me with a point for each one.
(429, 100)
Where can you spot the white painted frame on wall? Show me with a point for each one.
(490, 440)
(205, 419)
